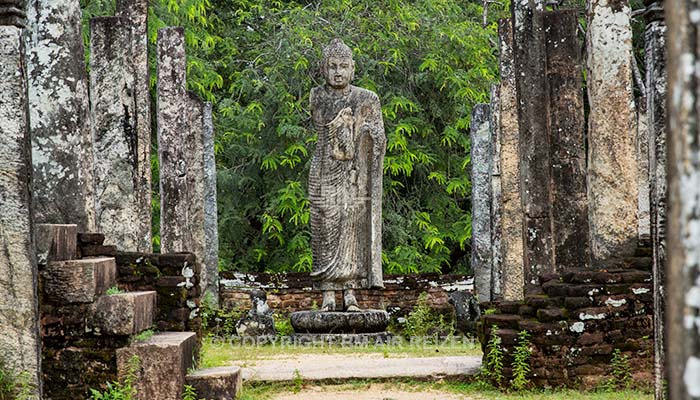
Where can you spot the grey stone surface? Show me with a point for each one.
(12, 13)
(467, 311)
(115, 135)
(19, 315)
(496, 193)
(79, 281)
(342, 339)
(530, 58)
(172, 121)
(194, 159)
(337, 367)
(366, 321)
(137, 12)
(221, 383)
(345, 179)
(55, 242)
(210, 262)
(163, 363)
(655, 60)
(481, 201)
(61, 141)
(683, 234)
(123, 314)
(512, 211)
(567, 140)
(612, 163)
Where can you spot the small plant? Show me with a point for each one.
(120, 390)
(298, 381)
(14, 387)
(521, 362)
(621, 370)
(145, 335)
(424, 321)
(219, 321)
(494, 358)
(113, 290)
(283, 326)
(490, 311)
(190, 393)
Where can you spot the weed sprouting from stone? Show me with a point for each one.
(521, 362)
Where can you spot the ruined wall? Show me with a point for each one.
(576, 321)
(289, 292)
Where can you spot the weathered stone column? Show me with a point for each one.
(211, 223)
(59, 115)
(512, 211)
(496, 196)
(172, 120)
(683, 235)
(20, 344)
(530, 55)
(137, 12)
(115, 135)
(567, 140)
(655, 60)
(481, 201)
(195, 182)
(612, 164)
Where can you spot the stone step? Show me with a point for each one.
(55, 242)
(164, 359)
(124, 313)
(221, 383)
(79, 281)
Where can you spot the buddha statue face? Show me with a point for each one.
(338, 66)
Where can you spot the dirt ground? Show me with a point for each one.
(372, 392)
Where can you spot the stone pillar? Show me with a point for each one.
(512, 281)
(496, 196)
(20, 343)
(683, 235)
(612, 164)
(567, 140)
(195, 182)
(529, 51)
(59, 115)
(211, 224)
(171, 115)
(481, 201)
(12, 13)
(137, 12)
(655, 60)
(115, 135)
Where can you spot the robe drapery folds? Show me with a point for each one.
(345, 189)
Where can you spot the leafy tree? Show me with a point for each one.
(429, 61)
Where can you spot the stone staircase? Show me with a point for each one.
(91, 337)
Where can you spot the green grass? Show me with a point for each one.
(473, 390)
(216, 353)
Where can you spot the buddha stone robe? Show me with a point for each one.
(345, 189)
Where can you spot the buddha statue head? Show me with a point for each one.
(338, 66)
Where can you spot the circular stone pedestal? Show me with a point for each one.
(366, 321)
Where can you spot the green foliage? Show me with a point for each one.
(190, 393)
(113, 290)
(14, 386)
(283, 325)
(621, 372)
(257, 60)
(521, 362)
(298, 381)
(424, 321)
(493, 370)
(220, 321)
(145, 335)
(120, 390)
